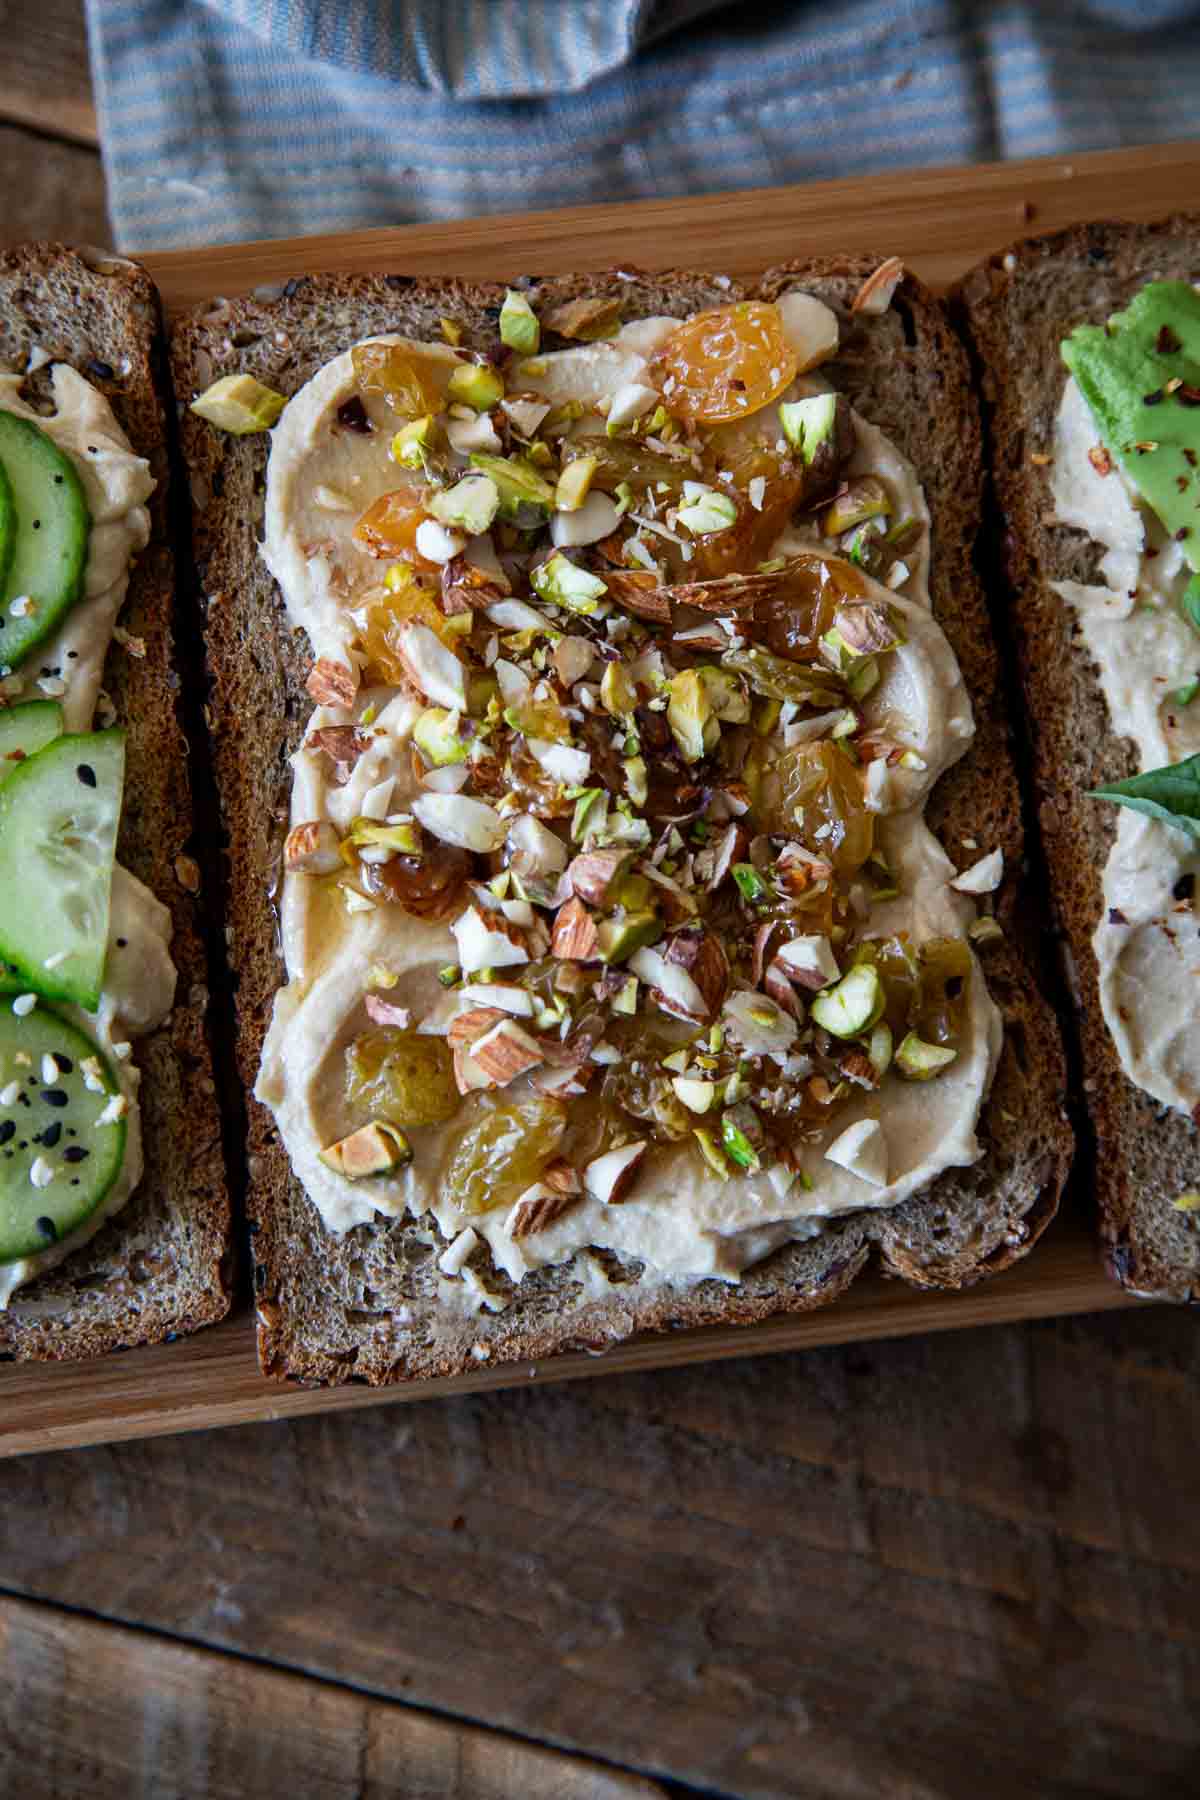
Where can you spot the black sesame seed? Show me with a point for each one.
(8, 1130)
(121, 943)
(58, 481)
(86, 774)
(54, 1097)
(63, 1063)
(52, 1134)
(74, 1181)
(47, 1229)
(75, 1153)
(103, 371)
(37, 524)
(1185, 887)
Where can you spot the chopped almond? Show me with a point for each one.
(332, 683)
(574, 937)
(342, 744)
(537, 1208)
(639, 593)
(700, 953)
(466, 588)
(506, 1051)
(467, 1027)
(775, 983)
(562, 1176)
(468, 1076)
(312, 849)
(585, 319)
(382, 1012)
(875, 294)
(592, 873)
(375, 1149)
(611, 1176)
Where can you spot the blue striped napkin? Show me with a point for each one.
(230, 119)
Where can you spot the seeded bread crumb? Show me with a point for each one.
(364, 1306)
(159, 1268)
(1016, 309)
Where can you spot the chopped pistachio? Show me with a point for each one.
(574, 482)
(450, 975)
(476, 385)
(712, 1153)
(519, 328)
(750, 883)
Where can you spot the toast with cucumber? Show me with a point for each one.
(625, 875)
(1088, 346)
(114, 1217)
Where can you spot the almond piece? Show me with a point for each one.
(467, 1027)
(562, 1176)
(538, 1207)
(342, 744)
(468, 1076)
(700, 953)
(592, 873)
(574, 938)
(775, 983)
(640, 594)
(466, 588)
(506, 1051)
(312, 849)
(875, 294)
(332, 683)
(373, 1150)
(585, 319)
(611, 1176)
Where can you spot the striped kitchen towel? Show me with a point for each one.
(230, 119)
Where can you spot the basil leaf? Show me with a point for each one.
(1185, 695)
(1190, 603)
(1171, 794)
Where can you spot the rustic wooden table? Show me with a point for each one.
(956, 1566)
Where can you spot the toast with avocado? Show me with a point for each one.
(625, 855)
(114, 1217)
(1088, 348)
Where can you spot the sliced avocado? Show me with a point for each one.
(809, 423)
(525, 499)
(519, 329)
(436, 736)
(240, 405)
(852, 1005)
(618, 938)
(921, 1061)
(471, 504)
(694, 724)
(477, 385)
(1124, 370)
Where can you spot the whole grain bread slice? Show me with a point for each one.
(160, 1267)
(364, 1306)
(1016, 309)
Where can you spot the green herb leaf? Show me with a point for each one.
(1185, 695)
(1171, 794)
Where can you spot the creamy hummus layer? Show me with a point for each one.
(683, 1223)
(1147, 655)
(139, 976)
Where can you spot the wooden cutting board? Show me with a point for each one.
(940, 221)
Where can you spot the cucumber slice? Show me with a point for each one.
(58, 835)
(8, 526)
(26, 729)
(57, 1162)
(50, 536)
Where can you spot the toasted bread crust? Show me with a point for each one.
(159, 1268)
(1015, 309)
(365, 1306)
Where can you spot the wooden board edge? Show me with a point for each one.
(739, 232)
(169, 1388)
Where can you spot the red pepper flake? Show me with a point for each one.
(1189, 457)
(1187, 395)
(1166, 343)
(1185, 531)
(1154, 399)
(1100, 460)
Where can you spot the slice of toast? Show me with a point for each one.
(160, 1267)
(1016, 309)
(364, 1306)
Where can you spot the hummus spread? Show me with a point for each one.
(680, 1218)
(139, 976)
(1147, 942)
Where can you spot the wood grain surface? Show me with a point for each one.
(957, 1568)
(940, 220)
(45, 81)
(109, 1711)
(213, 1379)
